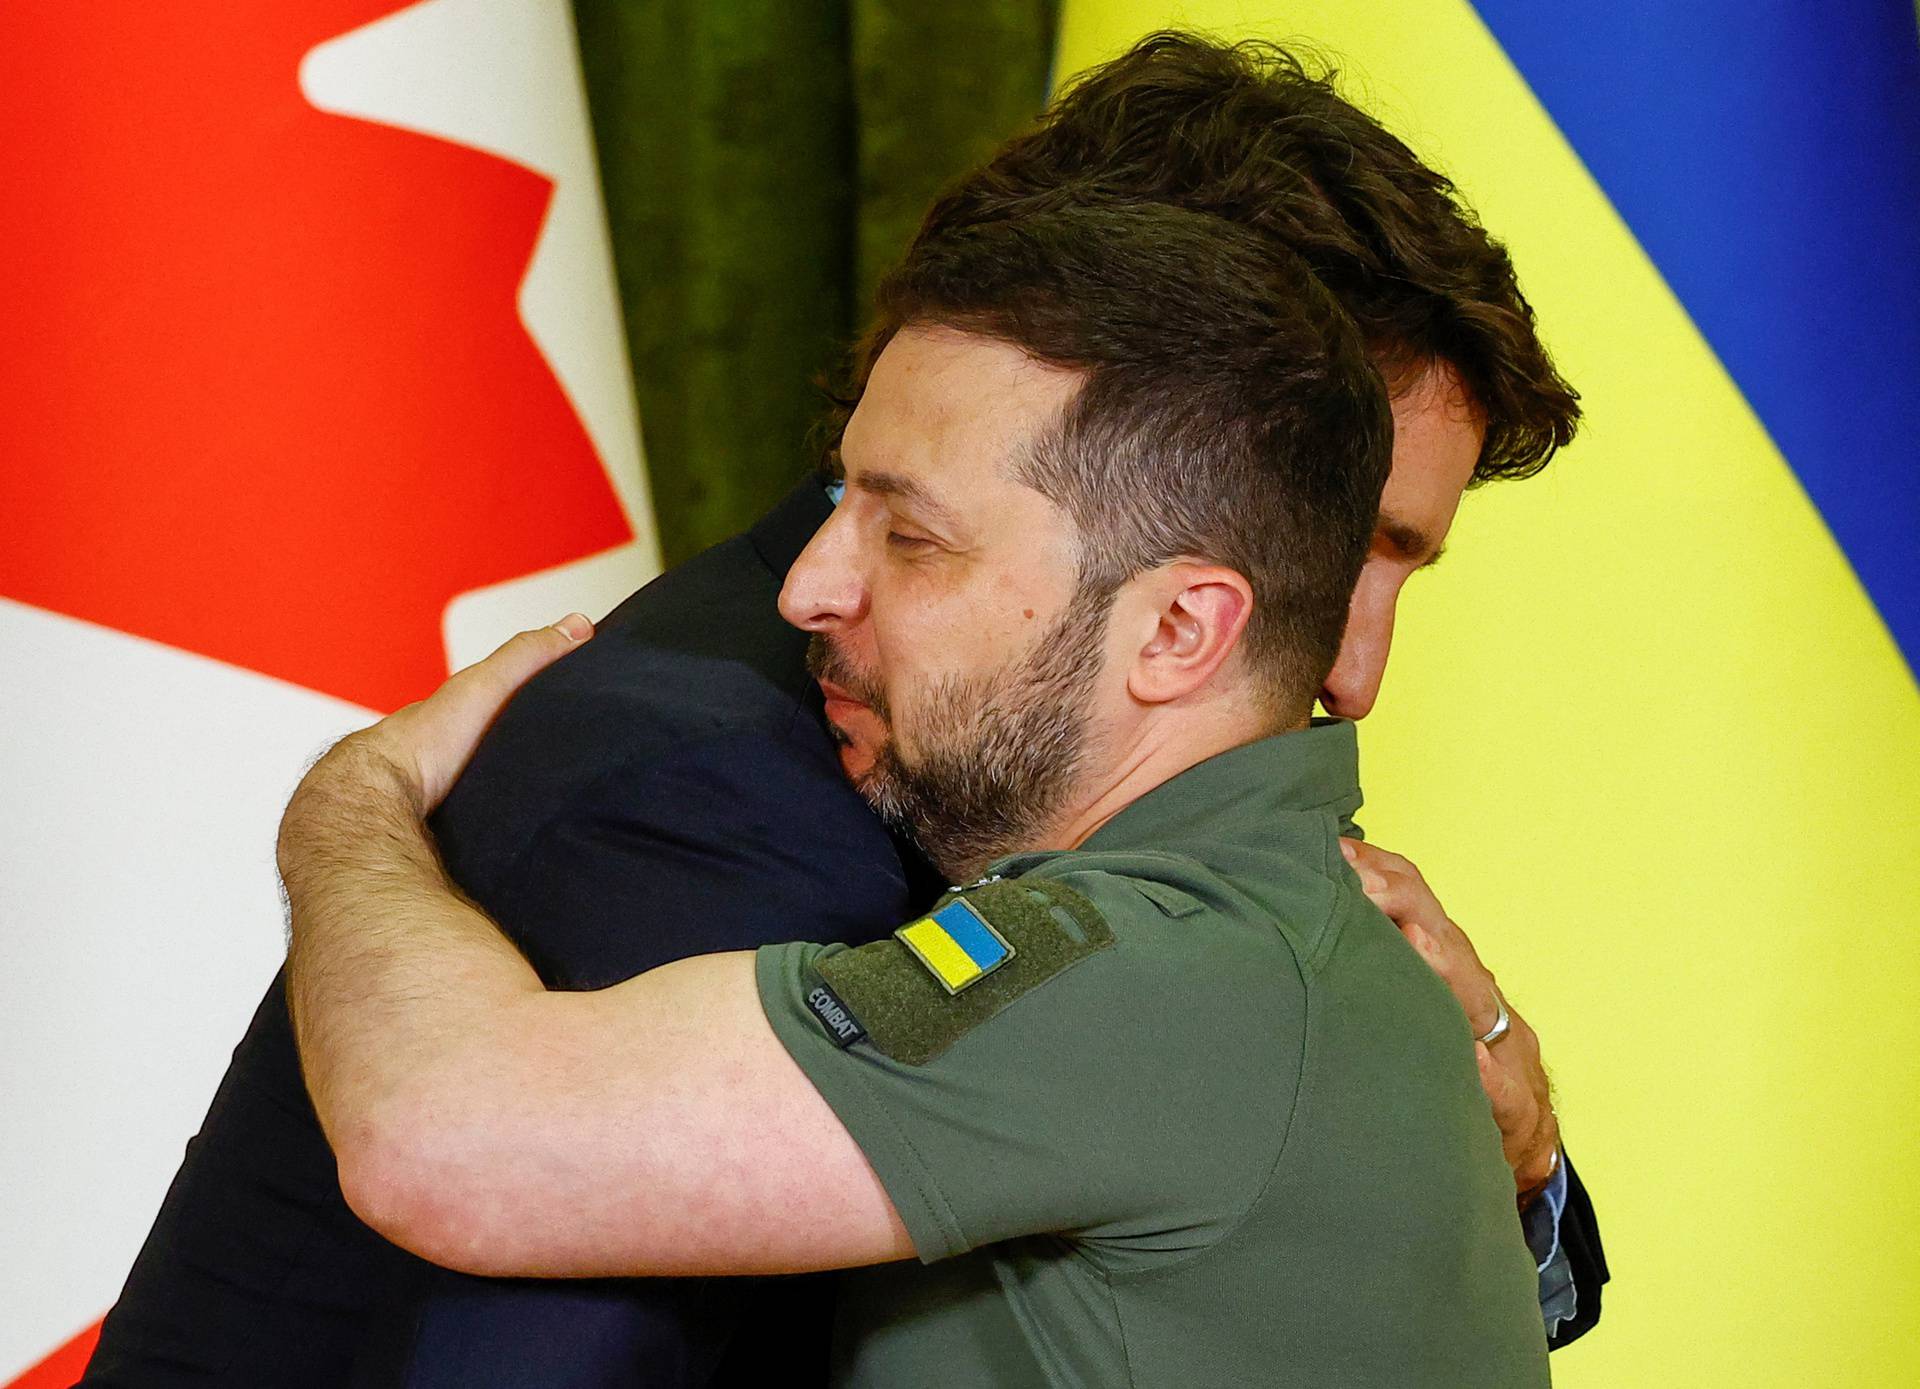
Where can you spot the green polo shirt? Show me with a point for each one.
(1210, 1121)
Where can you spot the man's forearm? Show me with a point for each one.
(390, 970)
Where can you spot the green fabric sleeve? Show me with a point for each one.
(1136, 1099)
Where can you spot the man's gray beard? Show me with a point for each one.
(1002, 752)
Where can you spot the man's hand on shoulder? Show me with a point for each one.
(1510, 1069)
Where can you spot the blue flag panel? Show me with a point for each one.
(1768, 159)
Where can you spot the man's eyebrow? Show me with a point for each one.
(1412, 542)
(880, 483)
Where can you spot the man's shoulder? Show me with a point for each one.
(1296, 908)
(1182, 906)
(691, 665)
(1273, 930)
(1263, 937)
(702, 645)
(1100, 939)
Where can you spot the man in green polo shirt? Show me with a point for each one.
(1213, 1063)
(1160, 1098)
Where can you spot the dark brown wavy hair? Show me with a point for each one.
(1251, 133)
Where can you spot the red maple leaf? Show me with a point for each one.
(264, 390)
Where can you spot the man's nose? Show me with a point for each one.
(1353, 684)
(1351, 688)
(826, 588)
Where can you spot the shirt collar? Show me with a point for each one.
(1314, 769)
(1236, 795)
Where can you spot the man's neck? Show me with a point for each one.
(1156, 752)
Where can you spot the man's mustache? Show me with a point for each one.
(827, 662)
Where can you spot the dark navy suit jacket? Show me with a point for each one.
(667, 790)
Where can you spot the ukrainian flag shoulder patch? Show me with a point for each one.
(957, 944)
(934, 980)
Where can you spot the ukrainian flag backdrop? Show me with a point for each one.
(1652, 729)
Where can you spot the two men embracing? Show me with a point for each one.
(1159, 411)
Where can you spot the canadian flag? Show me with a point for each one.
(312, 386)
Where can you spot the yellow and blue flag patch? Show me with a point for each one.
(956, 944)
(883, 993)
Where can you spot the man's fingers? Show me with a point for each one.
(1490, 1076)
(480, 689)
(1384, 890)
(1428, 949)
(532, 652)
(1516, 1087)
(521, 657)
(1404, 901)
(1474, 988)
(436, 736)
(1515, 1082)
(1479, 996)
(1513, 1104)
(1358, 852)
(1510, 1098)
(1392, 883)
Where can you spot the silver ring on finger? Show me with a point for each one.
(1502, 1025)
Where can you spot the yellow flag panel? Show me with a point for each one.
(1656, 750)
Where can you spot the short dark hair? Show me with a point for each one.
(1230, 410)
(1248, 132)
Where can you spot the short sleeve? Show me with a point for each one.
(1100, 1083)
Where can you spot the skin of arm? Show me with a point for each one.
(657, 1127)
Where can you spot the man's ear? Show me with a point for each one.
(1194, 615)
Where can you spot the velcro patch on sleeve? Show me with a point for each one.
(907, 1002)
